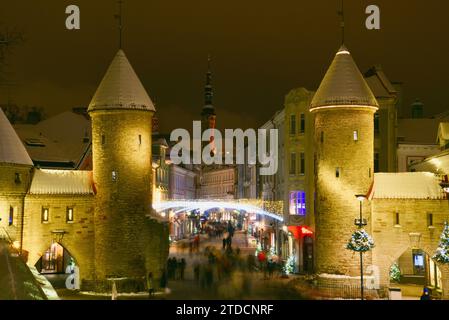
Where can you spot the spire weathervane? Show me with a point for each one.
(120, 22)
(341, 13)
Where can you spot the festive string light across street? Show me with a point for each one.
(179, 206)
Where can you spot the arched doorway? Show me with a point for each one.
(413, 271)
(56, 264)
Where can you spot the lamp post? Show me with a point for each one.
(361, 223)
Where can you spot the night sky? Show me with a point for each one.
(261, 50)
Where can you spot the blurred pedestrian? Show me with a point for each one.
(150, 285)
(182, 267)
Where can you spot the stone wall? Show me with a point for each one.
(126, 245)
(78, 237)
(14, 184)
(413, 231)
(336, 206)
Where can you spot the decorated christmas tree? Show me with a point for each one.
(442, 252)
(289, 266)
(395, 273)
(360, 241)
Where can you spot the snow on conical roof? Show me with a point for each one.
(12, 150)
(121, 88)
(343, 85)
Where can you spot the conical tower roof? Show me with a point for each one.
(121, 88)
(343, 85)
(12, 150)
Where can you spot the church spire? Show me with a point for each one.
(208, 90)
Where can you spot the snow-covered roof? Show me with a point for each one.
(62, 139)
(438, 164)
(343, 85)
(121, 88)
(379, 83)
(12, 150)
(61, 182)
(406, 185)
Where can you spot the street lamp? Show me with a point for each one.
(361, 223)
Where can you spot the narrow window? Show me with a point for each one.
(322, 136)
(69, 217)
(430, 219)
(103, 139)
(11, 216)
(45, 215)
(302, 163)
(293, 124)
(369, 172)
(356, 135)
(396, 219)
(303, 123)
(18, 178)
(114, 176)
(376, 162)
(376, 123)
(293, 163)
(337, 172)
(140, 139)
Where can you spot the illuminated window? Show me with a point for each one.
(293, 124)
(302, 124)
(297, 203)
(114, 176)
(69, 217)
(11, 216)
(45, 215)
(356, 135)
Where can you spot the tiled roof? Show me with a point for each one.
(121, 88)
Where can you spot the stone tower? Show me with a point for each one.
(15, 176)
(121, 113)
(344, 108)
